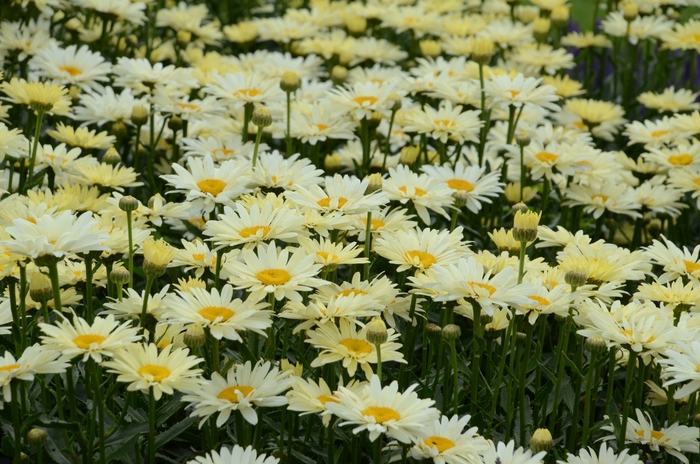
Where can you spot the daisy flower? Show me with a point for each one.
(675, 440)
(604, 456)
(385, 221)
(345, 343)
(39, 96)
(318, 122)
(71, 66)
(445, 122)
(35, 359)
(235, 455)
(520, 90)
(547, 301)
(245, 386)
(425, 192)
(13, 143)
(400, 415)
(219, 311)
(207, 185)
(242, 88)
(675, 262)
(603, 119)
(275, 171)
(640, 28)
(120, 10)
(316, 312)
(680, 365)
(670, 100)
(448, 443)
(307, 396)
(83, 138)
(273, 271)
(470, 182)
(220, 148)
(141, 76)
(508, 454)
(363, 98)
(616, 198)
(196, 255)
(421, 248)
(673, 294)
(131, 304)
(94, 340)
(342, 193)
(687, 180)
(144, 368)
(330, 254)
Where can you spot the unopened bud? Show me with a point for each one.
(194, 336)
(184, 37)
(128, 203)
(111, 157)
(36, 436)
(339, 74)
(119, 129)
(482, 49)
(461, 198)
(525, 225)
(376, 331)
(119, 276)
(540, 28)
(40, 289)
(375, 183)
(261, 117)
(333, 162)
(356, 25)
(139, 115)
(290, 81)
(175, 123)
(73, 24)
(395, 100)
(541, 440)
(560, 16)
(522, 139)
(696, 420)
(153, 199)
(434, 331)
(430, 48)
(596, 345)
(409, 154)
(74, 93)
(575, 278)
(519, 208)
(630, 11)
(451, 332)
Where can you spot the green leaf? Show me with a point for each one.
(174, 431)
(54, 450)
(173, 406)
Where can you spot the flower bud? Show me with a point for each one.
(339, 74)
(333, 162)
(575, 278)
(73, 24)
(154, 198)
(128, 203)
(525, 226)
(40, 288)
(261, 117)
(290, 81)
(596, 345)
(139, 115)
(482, 49)
(119, 276)
(430, 48)
(74, 93)
(375, 183)
(696, 420)
(356, 25)
(519, 208)
(376, 331)
(194, 336)
(409, 154)
(560, 16)
(112, 157)
(522, 139)
(175, 123)
(461, 198)
(36, 436)
(630, 11)
(451, 332)
(434, 331)
(540, 29)
(541, 440)
(395, 100)
(512, 193)
(184, 37)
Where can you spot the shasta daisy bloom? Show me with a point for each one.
(687, 180)
(330, 254)
(40, 96)
(290, 173)
(141, 76)
(536, 58)
(676, 262)
(120, 10)
(683, 156)
(307, 396)
(131, 304)
(249, 226)
(424, 191)
(640, 28)
(469, 181)
(363, 98)
(274, 271)
(547, 301)
(469, 279)
(448, 443)
(196, 255)
(83, 138)
(400, 415)
(318, 122)
(675, 439)
(35, 359)
(61, 235)
(207, 185)
(101, 338)
(219, 311)
(684, 36)
(380, 289)
(681, 365)
(604, 456)
(235, 455)
(144, 367)
(12, 143)
(345, 343)
(245, 386)
(670, 100)
(673, 294)
(71, 66)
(385, 221)
(316, 312)
(617, 198)
(242, 88)
(508, 454)
(520, 90)
(602, 118)
(445, 122)
(342, 193)
(421, 248)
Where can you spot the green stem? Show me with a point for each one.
(287, 134)
(35, 145)
(378, 346)
(529, 329)
(387, 149)
(23, 308)
(53, 274)
(364, 135)
(629, 382)
(16, 421)
(144, 307)
(368, 244)
(258, 137)
(482, 115)
(88, 289)
(589, 399)
(131, 249)
(151, 426)
(476, 358)
(455, 397)
(521, 264)
(247, 116)
(559, 363)
(378, 450)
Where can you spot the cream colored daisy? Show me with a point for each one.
(471, 182)
(283, 272)
(307, 396)
(448, 443)
(425, 192)
(421, 248)
(219, 311)
(445, 122)
(330, 254)
(43, 97)
(34, 360)
(342, 193)
(235, 455)
(144, 368)
(195, 255)
(316, 312)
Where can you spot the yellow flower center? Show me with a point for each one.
(370, 100)
(419, 191)
(9, 367)
(72, 70)
(248, 92)
(425, 260)
(223, 151)
(229, 393)
(253, 230)
(696, 181)
(441, 443)
(546, 157)
(157, 372)
(381, 414)
(357, 346)
(325, 256)
(603, 198)
(659, 133)
(273, 276)
(376, 223)
(187, 106)
(459, 184)
(162, 344)
(514, 93)
(491, 289)
(352, 291)
(443, 123)
(655, 434)
(214, 312)
(198, 256)
(325, 399)
(539, 300)
(691, 39)
(321, 127)
(691, 266)
(213, 186)
(326, 202)
(680, 160)
(84, 341)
